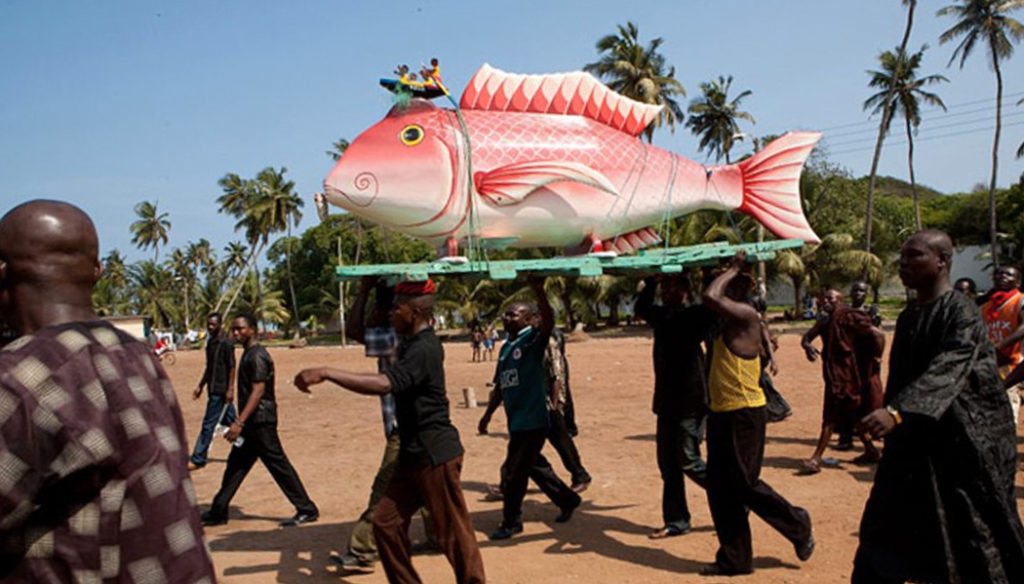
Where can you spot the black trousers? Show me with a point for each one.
(678, 450)
(523, 463)
(561, 440)
(261, 442)
(735, 455)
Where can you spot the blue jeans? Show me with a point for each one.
(214, 405)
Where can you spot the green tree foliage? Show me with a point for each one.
(987, 22)
(640, 73)
(714, 118)
(151, 228)
(898, 81)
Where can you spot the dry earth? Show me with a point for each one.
(335, 440)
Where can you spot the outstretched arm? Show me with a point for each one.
(365, 383)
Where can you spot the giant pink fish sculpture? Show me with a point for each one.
(551, 160)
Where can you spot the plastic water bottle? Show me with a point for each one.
(223, 430)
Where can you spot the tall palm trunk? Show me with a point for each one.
(992, 226)
(913, 183)
(241, 281)
(291, 282)
(797, 298)
(886, 117)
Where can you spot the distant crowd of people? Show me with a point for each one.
(95, 487)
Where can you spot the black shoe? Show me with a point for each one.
(299, 519)
(505, 532)
(566, 513)
(210, 520)
(350, 562)
(804, 549)
(717, 569)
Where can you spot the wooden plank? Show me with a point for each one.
(654, 261)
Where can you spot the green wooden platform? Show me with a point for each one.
(647, 262)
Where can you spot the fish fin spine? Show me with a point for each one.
(577, 93)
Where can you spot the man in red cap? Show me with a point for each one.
(430, 455)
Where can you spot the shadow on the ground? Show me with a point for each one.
(304, 552)
(591, 531)
(642, 437)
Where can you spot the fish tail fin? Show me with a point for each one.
(771, 185)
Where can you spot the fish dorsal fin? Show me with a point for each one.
(576, 93)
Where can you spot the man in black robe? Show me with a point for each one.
(942, 507)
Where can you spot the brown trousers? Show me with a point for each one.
(439, 490)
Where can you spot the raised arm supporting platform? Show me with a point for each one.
(653, 261)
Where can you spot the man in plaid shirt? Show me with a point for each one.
(93, 484)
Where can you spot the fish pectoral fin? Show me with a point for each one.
(511, 184)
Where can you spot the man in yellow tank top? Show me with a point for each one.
(736, 433)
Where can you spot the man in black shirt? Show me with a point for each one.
(430, 455)
(219, 376)
(680, 394)
(257, 425)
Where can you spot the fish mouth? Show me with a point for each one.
(366, 188)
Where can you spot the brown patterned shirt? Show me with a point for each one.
(93, 482)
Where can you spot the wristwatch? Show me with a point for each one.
(895, 414)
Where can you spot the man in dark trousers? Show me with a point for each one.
(219, 378)
(942, 508)
(257, 425)
(520, 384)
(736, 433)
(680, 394)
(430, 456)
(380, 341)
(93, 484)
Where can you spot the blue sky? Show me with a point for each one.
(109, 103)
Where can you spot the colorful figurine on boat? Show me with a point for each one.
(429, 88)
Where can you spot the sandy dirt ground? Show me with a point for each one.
(335, 440)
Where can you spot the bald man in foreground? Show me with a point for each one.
(942, 508)
(93, 479)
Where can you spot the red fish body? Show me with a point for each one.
(551, 161)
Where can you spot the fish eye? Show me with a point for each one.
(411, 135)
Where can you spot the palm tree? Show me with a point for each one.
(714, 118)
(906, 93)
(281, 205)
(338, 149)
(182, 271)
(884, 125)
(151, 228)
(639, 73)
(987, 21)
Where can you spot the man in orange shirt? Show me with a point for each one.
(1002, 315)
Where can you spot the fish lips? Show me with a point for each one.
(366, 188)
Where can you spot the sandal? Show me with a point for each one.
(809, 467)
(669, 531)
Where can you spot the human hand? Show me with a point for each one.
(773, 368)
(812, 353)
(198, 391)
(481, 428)
(740, 259)
(233, 431)
(229, 395)
(308, 377)
(878, 423)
